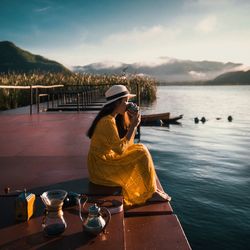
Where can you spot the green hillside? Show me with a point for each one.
(14, 59)
(237, 77)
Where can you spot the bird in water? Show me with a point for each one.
(203, 119)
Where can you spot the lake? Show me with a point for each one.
(205, 167)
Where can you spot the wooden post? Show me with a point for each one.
(37, 100)
(57, 95)
(64, 98)
(31, 99)
(53, 98)
(37, 97)
(138, 96)
(139, 104)
(48, 101)
(78, 102)
(82, 99)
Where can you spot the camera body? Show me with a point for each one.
(131, 106)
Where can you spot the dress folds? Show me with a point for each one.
(118, 162)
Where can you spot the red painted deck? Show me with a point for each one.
(46, 151)
(42, 149)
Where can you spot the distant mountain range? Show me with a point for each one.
(238, 77)
(171, 71)
(14, 59)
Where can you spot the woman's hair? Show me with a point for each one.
(122, 121)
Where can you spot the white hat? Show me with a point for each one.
(117, 92)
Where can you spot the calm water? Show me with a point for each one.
(206, 167)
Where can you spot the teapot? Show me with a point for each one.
(95, 222)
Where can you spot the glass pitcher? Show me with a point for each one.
(53, 222)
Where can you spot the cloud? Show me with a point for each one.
(144, 35)
(207, 25)
(42, 9)
(108, 64)
(241, 68)
(210, 3)
(197, 75)
(145, 43)
(216, 34)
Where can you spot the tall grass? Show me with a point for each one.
(12, 98)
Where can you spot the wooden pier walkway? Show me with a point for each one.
(47, 151)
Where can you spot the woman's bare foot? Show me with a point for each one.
(160, 196)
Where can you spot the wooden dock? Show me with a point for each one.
(47, 151)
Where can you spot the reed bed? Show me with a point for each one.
(13, 98)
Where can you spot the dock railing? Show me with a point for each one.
(66, 97)
(37, 94)
(79, 96)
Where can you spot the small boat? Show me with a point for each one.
(159, 119)
(153, 117)
(173, 120)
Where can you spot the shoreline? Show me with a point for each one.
(201, 84)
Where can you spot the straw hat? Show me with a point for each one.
(117, 92)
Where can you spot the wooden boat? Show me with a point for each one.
(153, 117)
(159, 119)
(173, 120)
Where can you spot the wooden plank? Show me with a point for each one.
(52, 162)
(29, 235)
(155, 232)
(88, 108)
(156, 208)
(75, 104)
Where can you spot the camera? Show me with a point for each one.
(131, 106)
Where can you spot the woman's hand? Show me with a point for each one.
(135, 118)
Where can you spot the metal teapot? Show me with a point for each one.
(95, 222)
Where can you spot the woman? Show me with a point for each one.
(114, 159)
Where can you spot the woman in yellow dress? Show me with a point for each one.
(114, 159)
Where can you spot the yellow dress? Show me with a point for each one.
(118, 162)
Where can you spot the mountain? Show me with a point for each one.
(15, 59)
(170, 70)
(237, 77)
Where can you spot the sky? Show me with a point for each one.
(80, 32)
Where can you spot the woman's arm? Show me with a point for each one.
(135, 119)
(108, 133)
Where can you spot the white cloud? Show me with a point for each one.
(216, 36)
(209, 3)
(109, 64)
(197, 75)
(143, 35)
(42, 9)
(241, 68)
(206, 25)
